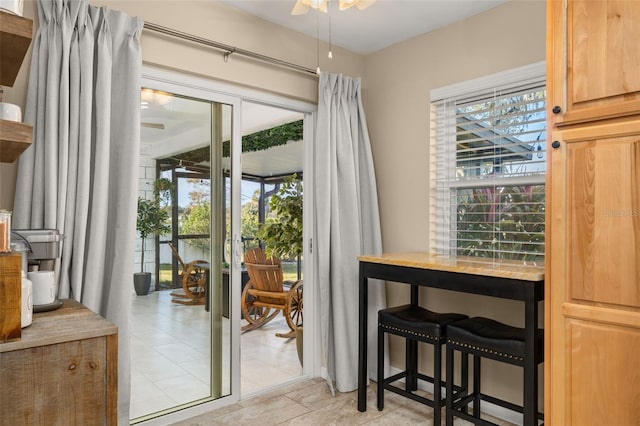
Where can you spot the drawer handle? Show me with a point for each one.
(556, 109)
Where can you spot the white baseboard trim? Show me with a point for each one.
(487, 407)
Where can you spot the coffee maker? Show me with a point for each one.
(46, 247)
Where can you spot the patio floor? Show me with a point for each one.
(170, 353)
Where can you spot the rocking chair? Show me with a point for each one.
(265, 295)
(194, 281)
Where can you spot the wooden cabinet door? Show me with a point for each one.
(592, 363)
(61, 384)
(593, 59)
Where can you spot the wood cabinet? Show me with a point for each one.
(593, 46)
(15, 38)
(592, 294)
(63, 371)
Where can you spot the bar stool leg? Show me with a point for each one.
(380, 387)
(437, 382)
(464, 369)
(476, 385)
(411, 360)
(449, 386)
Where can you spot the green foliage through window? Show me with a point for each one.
(502, 222)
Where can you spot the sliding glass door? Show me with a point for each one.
(181, 330)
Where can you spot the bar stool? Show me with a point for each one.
(485, 338)
(415, 324)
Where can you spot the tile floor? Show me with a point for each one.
(170, 353)
(174, 343)
(311, 403)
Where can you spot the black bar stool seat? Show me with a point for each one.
(485, 338)
(415, 324)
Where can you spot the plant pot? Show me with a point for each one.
(300, 343)
(142, 283)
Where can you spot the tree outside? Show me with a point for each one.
(195, 217)
(282, 231)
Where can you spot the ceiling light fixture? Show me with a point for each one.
(303, 6)
(149, 97)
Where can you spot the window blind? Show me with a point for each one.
(488, 165)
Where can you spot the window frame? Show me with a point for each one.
(443, 208)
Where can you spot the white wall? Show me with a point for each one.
(146, 176)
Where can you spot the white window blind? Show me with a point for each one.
(488, 164)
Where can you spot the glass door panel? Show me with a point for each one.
(181, 337)
(271, 218)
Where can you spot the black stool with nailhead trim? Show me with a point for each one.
(415, 324)
(484, 338)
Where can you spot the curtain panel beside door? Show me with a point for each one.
(80, 174)
(347, 225)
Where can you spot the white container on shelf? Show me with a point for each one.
(10, 112)
(12, 6)
(44, 287)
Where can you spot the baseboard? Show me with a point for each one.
(487, 407)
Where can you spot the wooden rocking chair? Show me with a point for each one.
(265, 294)
(193, 278)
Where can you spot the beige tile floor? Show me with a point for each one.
(311, 403)
(170, 352)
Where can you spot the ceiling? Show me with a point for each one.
(173, 125)
(381, 25)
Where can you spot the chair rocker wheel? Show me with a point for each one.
(293, 310)
(255, 316)
(193, 284)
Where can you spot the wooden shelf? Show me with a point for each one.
(14, 139)
(15, 38)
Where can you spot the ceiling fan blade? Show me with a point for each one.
(322, 5)
(346, 4)
(300, 8)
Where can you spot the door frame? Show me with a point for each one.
(183, 84)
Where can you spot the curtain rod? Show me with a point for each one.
(228, 50)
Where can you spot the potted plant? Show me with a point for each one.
(152, 219)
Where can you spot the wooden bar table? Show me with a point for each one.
(515, 280)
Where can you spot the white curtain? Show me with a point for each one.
(347, 225)
(80, 174)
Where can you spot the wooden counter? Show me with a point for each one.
(520, 270)
(62, 371)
